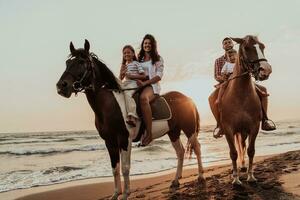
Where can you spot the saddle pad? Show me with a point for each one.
(160, 109)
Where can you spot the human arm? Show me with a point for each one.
(218, 68)
(138, 73)
(154, 80)
(140, 76)
(157, 73)
(123, 70)
(227, 70)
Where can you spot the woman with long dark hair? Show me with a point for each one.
(152, 64)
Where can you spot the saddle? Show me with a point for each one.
(159, 107)
(160, 111)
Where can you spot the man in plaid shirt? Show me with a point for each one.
(267, 124)
(219, 63)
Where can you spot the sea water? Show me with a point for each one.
(45, 158)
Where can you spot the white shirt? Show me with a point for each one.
(227, 68)
(154, 70)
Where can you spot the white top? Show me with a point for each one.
(154, 70)
(227, 68)
(133, 68)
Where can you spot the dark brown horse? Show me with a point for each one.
(240, 110)
(85, 72)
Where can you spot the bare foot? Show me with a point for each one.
(147, 139)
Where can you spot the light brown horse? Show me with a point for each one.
(240, 109)
(85, 72)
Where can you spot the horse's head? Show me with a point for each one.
(85, 71)
(251, 53)
(78, 72)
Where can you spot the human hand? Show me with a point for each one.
(219, 77)
(140, 83)
(123, 71)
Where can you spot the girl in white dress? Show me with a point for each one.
(226, 71)
(131, 70)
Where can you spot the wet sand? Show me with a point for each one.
(278, 177)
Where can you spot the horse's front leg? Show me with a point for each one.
(115, 164)
(233, 156)
(251, 152)
(125, 158)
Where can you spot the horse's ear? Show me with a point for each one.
(238, 40)
(72, 48)
(86, 45)
(251, 40)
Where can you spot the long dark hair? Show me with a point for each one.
(132, 49)
(153, 53)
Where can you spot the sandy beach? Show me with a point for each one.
(278, 178)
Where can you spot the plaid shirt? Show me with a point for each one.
(219, 63)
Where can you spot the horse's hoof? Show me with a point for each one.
(114, 196)
(236, 181)
(201, 179)
(243, 169)
(251, 179)
(175, 184)
(125, 196)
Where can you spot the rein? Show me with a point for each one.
(238, 76)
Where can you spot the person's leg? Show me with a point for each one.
(267, 124)
(130, 108)
(215, 110)
(221, 91)
(146, 97)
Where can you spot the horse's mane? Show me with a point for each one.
(104, 74)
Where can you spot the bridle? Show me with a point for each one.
(252, 67)
(77, 85)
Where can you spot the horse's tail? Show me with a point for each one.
(197, 122)
(191, 141)
(239, 146)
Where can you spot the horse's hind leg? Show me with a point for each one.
(243, 141)
(125, 158)
(197, 149)
(251, 152)
(180, 157)
(241, 146)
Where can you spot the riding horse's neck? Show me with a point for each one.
(243, 80)
(99, 101)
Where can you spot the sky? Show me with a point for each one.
(35, 37)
